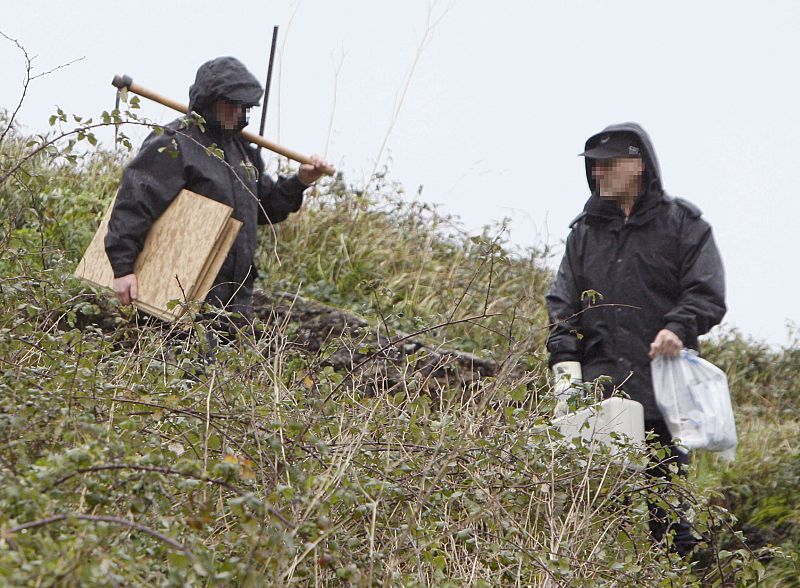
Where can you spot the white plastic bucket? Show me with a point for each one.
(613, 417)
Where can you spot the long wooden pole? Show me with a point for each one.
(126, 82)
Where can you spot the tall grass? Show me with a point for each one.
(405, 264)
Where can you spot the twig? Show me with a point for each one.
(475, 277)
(391, 344)
(208, 419)
(426, 37)
(26, 82)
(99, 519)
(140, 468)
(337, 69)
(168, 471)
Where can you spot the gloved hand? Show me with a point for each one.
(567, 382)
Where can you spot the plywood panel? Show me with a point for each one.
(94, 266)
(167, 315)
(179, 245)
(215, 261)
(175, 254)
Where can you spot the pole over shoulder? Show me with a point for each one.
(126, 82)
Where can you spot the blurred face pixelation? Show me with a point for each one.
(618, 177)
(229, 114)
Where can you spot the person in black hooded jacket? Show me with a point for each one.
(178, 157)
(641, 276)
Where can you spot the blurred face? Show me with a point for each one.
(618, 177)
(230, 114)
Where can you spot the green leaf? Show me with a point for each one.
(214, 442)
(519, 393)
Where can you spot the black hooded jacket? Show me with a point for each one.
(660, 269)
(179, 158)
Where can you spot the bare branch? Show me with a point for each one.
(56, 68)
(430, 26)
(168, 471)
(100, 519)
(26, 82)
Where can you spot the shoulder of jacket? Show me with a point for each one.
(691, 209)
(184, 128)
(160, 134)
(577, 219)
(172, 127)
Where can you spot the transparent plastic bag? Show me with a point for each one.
(694, 400)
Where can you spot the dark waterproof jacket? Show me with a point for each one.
(659, 270)
(178, 158)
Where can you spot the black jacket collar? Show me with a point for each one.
(599, 210)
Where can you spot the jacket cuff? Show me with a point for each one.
(679, 330)
(295, 184)
(122, 270)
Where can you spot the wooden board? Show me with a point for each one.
(164, 314)
(94, 266)
(176, 254)
(215, 261)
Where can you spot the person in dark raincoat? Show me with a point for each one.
(641, 276)
(179, 158)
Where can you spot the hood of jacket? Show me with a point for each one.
(653, 187)
(223, 77)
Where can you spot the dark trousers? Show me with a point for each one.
(661, 521)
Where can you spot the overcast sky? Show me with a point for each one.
(500, 98)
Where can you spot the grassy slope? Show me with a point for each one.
(379, 488)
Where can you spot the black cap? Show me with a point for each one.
(613, 145)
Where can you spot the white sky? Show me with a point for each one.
(501, 100)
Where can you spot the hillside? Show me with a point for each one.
(388, 423)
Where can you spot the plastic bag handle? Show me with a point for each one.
(690, 355)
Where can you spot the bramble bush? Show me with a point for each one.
(130, 458)
(131, 454)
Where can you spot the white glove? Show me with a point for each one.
(567, 382)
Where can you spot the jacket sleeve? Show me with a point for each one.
(279, 199)
(149, 184)
(563, 306)
(701, 303)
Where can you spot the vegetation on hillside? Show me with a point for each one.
(132, 455)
